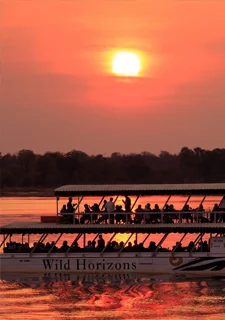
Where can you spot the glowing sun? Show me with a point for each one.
(126, 64)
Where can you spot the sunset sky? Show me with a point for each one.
(58, 91)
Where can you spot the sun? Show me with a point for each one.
(125, 63)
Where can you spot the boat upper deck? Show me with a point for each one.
(53, 228)
(141, 189)
(216, 224)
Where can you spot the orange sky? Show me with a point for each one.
(58, 92)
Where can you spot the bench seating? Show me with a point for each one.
(48, 219)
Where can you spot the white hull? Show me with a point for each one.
(114, 263)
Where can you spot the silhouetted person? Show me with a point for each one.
(70, 205)
(148, 207)
(119, 216)
(129, 247)
(152, 246)
(127, 203)
(178, 247)
(89, 246)
(86, 216)
(205, 247)
(167, 218)
(155, 216)
(138, 217)
(147, 215)
(93, 243)
(103, 217)
(190, 246)
(63, 210)
(104, 206)
(95, 208)
(110, 205)
(101, 242)
(64, 247)
(68, 218)
(187, 216)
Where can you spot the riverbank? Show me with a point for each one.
(26, 192)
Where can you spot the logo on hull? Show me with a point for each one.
(176, 261)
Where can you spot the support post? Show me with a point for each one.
(79, 200)
(75, 240)
(161, 242)
(126, 242)
(4, 240)
(107, 243)
(146, 238)
(168, 199)
(101, 201)
(84, 240)
(180, 214)
(134, 203)
(57, 205)
(55, 243)
(97, 235)
(115, 200)
(201, 203)
(182, 238)
(132, 207)
(42, 238)
(199, 237)
(221, 214)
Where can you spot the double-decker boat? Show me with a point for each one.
(205, 254)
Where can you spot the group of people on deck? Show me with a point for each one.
(99, 245)
(111, 213)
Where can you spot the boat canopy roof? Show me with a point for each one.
(141, 189)
(53, 228)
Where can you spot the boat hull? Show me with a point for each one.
(145, 263)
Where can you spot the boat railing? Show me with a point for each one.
(145, 217)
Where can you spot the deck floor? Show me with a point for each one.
(38, 227)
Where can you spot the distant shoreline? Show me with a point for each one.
(24, 192)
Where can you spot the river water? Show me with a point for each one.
(110, 296)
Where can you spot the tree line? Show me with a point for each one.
(26, 169)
